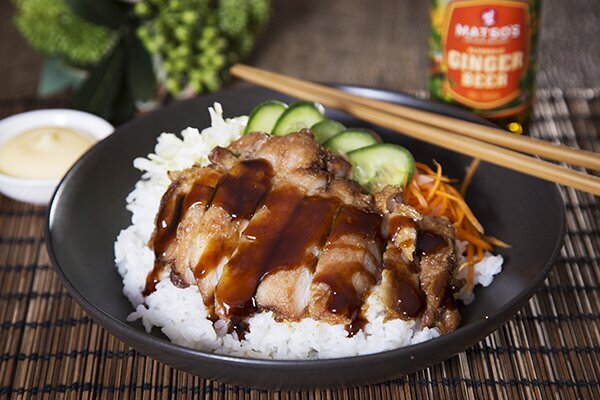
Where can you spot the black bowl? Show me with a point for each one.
(88, 211)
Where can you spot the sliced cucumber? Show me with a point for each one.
(351, 139)
(325, 130)
(302, 114)
(264, 116)
(382, 164)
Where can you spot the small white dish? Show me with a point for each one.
(39, 191)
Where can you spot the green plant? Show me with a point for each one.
(126, 48)
(196, 40)
(62, 33)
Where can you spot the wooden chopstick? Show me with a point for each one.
(466, 145)
(525, 144)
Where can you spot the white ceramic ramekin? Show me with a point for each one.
(39, 191)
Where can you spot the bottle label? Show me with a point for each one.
(485, 52)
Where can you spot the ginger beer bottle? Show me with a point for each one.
(483, 57)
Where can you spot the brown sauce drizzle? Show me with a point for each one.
(428, 243)
(216, 249)
(202, 191)
(449, 302)
(279, 238)
(243, 188)
(153, 278)
(177, 280)
(238, 194)
(397, 222)
(410, 301)
(344, 300)
(406, 297)
(166, 226)
(168, 218)
(237, 286)
(413, 268)
(307, 228)
(443, 290)
(356, 325)
(239, 326)
(353, 220)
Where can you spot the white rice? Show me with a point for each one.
(180, 313)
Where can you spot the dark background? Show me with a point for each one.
(381, 43)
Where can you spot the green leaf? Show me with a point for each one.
(139, 71)
(56, 77)
(99, 92)
(109, 13)
(124, 106)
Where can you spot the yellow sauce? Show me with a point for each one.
(42, 153)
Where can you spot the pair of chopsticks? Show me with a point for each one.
(486, 143)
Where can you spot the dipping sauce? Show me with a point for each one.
(42, 153)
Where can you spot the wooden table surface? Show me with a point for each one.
(379, 43)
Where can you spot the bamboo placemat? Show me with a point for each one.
(50, 348)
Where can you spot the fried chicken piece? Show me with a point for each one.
(437, 253)
(399, 291)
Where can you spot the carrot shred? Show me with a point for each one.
(496, 242)
(444, 205)
(432, 193)
(470, 255)
(424, 167)
(460, 217)
(470, 277)
(479, 253)
(473, 239)
(468, 213)
(469, 176)
(436, 182)
(420, 198)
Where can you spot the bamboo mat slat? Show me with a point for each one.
(50, 348)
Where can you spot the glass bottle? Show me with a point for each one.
(483, 57)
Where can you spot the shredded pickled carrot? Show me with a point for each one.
(480, 252)
(424, 168)
(470, 276)
(436, 184)
(415, 191)
(469, 176)
(463, 205)
(496, 242)
(431, 193)
(470, 254)
(473, 239)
